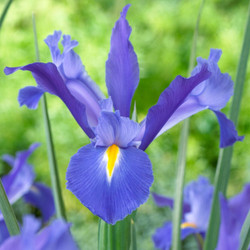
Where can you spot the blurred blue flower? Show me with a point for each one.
(112, 175)
(55, 236)
(197, 201)
(233, 214)
(19, 182)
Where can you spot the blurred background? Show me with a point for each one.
(162, 37)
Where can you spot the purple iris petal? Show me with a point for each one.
(114, 129)
(79, 83)
(169, 101)
(196, 211)
(162, 237)
(10, 160)
(30, 96)
(228, 133)
(4, 233)
(199, 195)
(216, 91)
(107, 105)
(21, 177)
(213, 93)
(26, 239)
(233, 214)
(52, 42)
(122, 69)
(187, 109)
(163, 201)
(49, 79)
(228, 239)
(111, 199)
(55, 236)
(41, 197)
(83, 95)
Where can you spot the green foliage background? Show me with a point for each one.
(162, 37)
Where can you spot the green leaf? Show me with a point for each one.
(8, 213)
(177, 214)
(245, 234)
(115, 237)
(57, 193)
(225, 156)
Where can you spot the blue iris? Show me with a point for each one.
(196, 211)
(19, 182)
(112, 175)
(55, 236)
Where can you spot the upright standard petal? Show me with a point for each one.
(40, 196)
(169, 101)
(112, 182)
(198, 194)
(49, 79)
(122, 69)
(73, 72)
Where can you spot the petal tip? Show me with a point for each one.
(125, 10)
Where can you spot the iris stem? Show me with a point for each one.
(177, 214)
(225, 156)
(8, 213)
(5, 10)
(115, 237)
(5, 207)
(57, 193)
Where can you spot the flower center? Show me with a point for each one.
(188, 224)
(112, 153)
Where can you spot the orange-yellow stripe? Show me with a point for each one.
(112, 153)
(188, 224)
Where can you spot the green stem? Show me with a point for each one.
(177, 214)
(5, 10)
(245, 234)
(57, 193)
(8, 213)
(225, 156)
(115, 237)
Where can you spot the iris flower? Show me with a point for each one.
(112, 175)
(197, 201)
(55, 236)
(19, 182)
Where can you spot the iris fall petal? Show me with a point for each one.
(111, 198)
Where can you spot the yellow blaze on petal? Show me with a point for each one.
(188, 224)
(112, 153)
